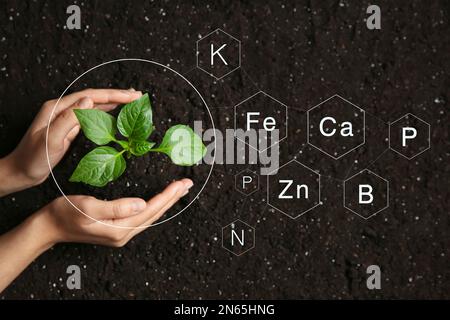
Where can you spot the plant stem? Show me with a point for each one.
(119, 143)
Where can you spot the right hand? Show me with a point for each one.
(61, 222)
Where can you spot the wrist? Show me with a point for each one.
(16, 179)
(39, 228)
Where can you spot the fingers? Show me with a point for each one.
(188, 184)
(127, 212)
(158, 204)
(116, 209)
(105, 99)
(152, 219)
(72, 135)
(175, 189)
(106, 106)
(66, 122)
(65, 127)
(143, 226)
(102, 96)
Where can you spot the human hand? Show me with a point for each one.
(27, 165)
(117, 221)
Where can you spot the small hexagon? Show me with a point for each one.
(366, 194)
(246, 182)
(294, 190)
(218, 54)
(260, 112)
(238, 237)
(409, 136)
(336, 126)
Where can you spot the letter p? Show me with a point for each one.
(408, 133)
(246, 180)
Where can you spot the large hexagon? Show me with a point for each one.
(409, 136)
(256, 113)
(294, 190)
(218, 54)
(336, 126)
(366, 194)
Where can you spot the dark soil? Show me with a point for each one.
(300, 54)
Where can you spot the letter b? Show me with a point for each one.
(365, 194)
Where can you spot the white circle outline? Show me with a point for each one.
(106, 63)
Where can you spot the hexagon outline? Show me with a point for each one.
(246, 194)
(348, 151)
(387, 194)
(429, 135)
(302, 213)
(286, 120)
(196, 53)
(254, 238)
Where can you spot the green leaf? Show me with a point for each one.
(139, 148)
(135, 119)
(123, 144)
(100, 166)
(182, 145)
(97, 125)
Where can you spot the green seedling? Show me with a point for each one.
(135, 123)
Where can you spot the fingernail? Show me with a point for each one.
(131, 89)
(188, 185)
(127, 92)
(131, 92)
(84, 103)
(138, 206)
(185, 192)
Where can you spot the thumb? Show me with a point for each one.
(119, 208)
(63, 126)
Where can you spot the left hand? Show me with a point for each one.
(27, 165)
